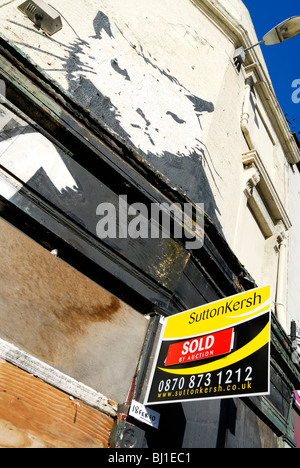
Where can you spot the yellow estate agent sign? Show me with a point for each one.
(218, 350)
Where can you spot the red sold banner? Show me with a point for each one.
(212, 345)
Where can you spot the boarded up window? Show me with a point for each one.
(63, 318)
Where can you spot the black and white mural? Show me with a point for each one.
(124, 87)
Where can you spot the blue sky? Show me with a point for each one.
(283, 60)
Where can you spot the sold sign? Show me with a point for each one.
(217, 350)
(203, 347)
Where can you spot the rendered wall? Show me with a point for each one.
(163, 80)
(294, 252)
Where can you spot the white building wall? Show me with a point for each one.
(162, 78)
(294, 248)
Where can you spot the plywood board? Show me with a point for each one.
(64, 319)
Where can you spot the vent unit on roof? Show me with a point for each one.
(44, 16)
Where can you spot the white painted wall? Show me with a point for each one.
(294, 248)
(162, 78)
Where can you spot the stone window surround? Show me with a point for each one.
(262, 196)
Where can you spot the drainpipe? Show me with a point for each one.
(246, 112)
(281, 282)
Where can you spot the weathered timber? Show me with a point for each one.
(34, 414)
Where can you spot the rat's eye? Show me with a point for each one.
(175, 117)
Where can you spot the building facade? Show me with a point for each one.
(139, 104)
